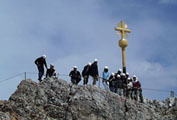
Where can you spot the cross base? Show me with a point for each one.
(124, 70)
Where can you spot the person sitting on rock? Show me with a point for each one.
(41, 62)
(85, 73)
(94, 71)
(105, 77)
(51, 71)
(75, 75)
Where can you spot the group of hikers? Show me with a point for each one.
(118, 82)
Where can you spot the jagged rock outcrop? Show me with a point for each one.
(54, 99)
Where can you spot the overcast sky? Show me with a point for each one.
(75, 32)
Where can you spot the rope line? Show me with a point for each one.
(156, 90)
(10, 78)
(33, 73)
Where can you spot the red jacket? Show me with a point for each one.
(136, 84)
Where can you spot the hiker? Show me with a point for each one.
(75, 75)
(112, 82)
(134, 88)
(137, 89)
(124, 79)
(129, 88)
(105, 77)
(119, 85)
(85, 73)
(94, 71)
(51, 71)
(127, 75)
(119, 71)
(41, 62)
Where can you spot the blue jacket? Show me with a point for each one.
(106, 75)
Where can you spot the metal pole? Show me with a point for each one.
(99, 81)
(25, 75)
(172, 94)
(57, 75)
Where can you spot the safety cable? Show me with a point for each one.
(10, 78)
(27, 73)
(156, 90)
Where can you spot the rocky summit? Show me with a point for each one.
(55, 99)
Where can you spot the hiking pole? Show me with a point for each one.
(25, 75)
(99, 81)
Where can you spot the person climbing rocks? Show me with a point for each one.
(75, 75)
(85, 73)
(94, 71)
(41, 62)
(51, 71)
(105, 78)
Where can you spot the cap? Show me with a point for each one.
(44, 56)
(127, 73)
(51, 64)
(122, 74)
(89, 63)
(129, 78)
(106, 67)
(75, 67)
(134, 76)
(120, 70)
(96, 60)
(112, 74)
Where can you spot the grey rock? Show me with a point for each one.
(55, 99)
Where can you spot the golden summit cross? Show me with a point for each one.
(122, 27)
(123, 43)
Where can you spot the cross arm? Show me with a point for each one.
(122, 29)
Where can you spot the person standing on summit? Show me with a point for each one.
(41, 62)
(85, 73)
(105, 78)
(94, 71)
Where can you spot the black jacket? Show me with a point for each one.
(85, 71)
(112, 81)
(40, 62)
(75, 75)
(119, 83)
(94, 69)
(50, 72)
